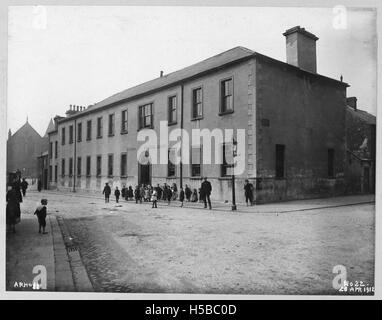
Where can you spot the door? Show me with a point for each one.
(144, 173)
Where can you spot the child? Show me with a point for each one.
(117, 193)
(181, 196)
(41, 215)
(154, 199)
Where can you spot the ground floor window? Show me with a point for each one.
(196, 160)
(123, 165)
(99, 165)
(110, 160)
(170, 163)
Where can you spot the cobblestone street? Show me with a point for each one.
(132, 248)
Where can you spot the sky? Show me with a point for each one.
(62, 55)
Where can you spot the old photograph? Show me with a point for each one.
(191, 150)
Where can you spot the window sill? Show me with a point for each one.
(79, 140)
(110, 135)
(196, 178)
(225, 178)
(123, 132)
(110, 176)
(172, 123)
(99, 137)
(225, 112)
(124, 177)
(197, 118)
(143, 128)
(89, 139)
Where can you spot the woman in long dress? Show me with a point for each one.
(13, 208)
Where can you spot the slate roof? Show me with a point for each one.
(218, 61)
(363, 115)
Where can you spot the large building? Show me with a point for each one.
(294, 121)
(23, 148)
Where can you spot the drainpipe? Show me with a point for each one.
(75, 156)
(181, 128)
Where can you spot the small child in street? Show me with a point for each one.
(41, 215)
(117, 193)
(154, 199)
(181, 196)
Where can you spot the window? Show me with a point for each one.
(197, 107)
(99, 166)
(50, 151)
(111, 124)
(55, 173)
(88, 130)
(70, 167)
(145, 116)
(79, 132)
(63, 136)
(225, 165)
(70, 134)
(79, 166)
(124, 121)
(226, 96)
(99, 127)
(280, 160)
(63, 167)
(110, 160)
(172, 110)
(170, 163)
(123, 165)
(55, 149)
(331, 163)
(88, 166)
(196, 160)
(50, 173)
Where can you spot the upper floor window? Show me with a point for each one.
(63, 167)
(172, 110)
(88, 130)
(55, 149)
(197, 106)
(124, 121)
(79, 132)
(99, 127)
(226, 96)
(111, 124)
(145, 116)
(50, 151)
(70, 134)
(63, 136)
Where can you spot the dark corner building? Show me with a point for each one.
(294, 118)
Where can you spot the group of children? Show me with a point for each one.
(148, 193)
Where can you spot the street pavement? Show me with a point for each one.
(281, 248)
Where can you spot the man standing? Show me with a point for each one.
(248, 192)
(206, 190)
(106, 192)
(187, 192)
(24, 186)
(117, 193)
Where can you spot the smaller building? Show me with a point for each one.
(361, 149)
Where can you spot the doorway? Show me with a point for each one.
(366, 179)
(144, 174)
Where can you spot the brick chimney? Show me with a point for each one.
(301, 48)
(352, 102)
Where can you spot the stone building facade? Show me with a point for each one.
(294, 122)
(23, 148)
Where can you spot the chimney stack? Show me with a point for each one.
(352, 102)
(161, 74)
(301, 48)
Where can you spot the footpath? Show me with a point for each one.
(44, 262)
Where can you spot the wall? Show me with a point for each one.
(306, 113)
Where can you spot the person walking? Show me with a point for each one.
(181, 196)
(188, 193)
(106, 191)
(174, 191)
(39, 185)
(248, 192)
(206, 190)
(117, 193)
(24, 186)
(137, 194)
